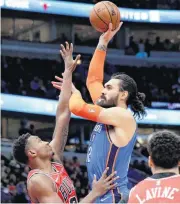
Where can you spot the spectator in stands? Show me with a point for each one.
(176, 89)
(34, 84)
(4, 87)
(23, 127)
(42, 89)
(141, 46)
(148, 47)
(133, 45)
(158, 45)
(76, 162)
(50, 91)
(22, 89)
(32, 129)
(167, 45)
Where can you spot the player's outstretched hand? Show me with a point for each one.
(106, 37)
(58, 84)
(104, 184)
(67, 55)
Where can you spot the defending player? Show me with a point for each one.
(48, 182)
(114, 136)
(164, 185)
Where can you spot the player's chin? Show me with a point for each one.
(101, 102)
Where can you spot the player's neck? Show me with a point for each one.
(43, 165)
(122, 105)
(159, 170)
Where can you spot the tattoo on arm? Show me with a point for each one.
(65, 131)
(102, 47)
(58, 156)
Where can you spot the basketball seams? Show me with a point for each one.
(118, 16)
(117, 12)
(100, 17)
(108, 12)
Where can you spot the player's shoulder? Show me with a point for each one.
(125, 113)
(139, 186)
(38, 179)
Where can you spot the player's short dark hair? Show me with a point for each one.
(135, 99)
(164, 149)
(19, 148)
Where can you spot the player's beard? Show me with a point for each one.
(106, 103)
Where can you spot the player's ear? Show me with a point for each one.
(124, 95)
(150, 162)
(31, 153)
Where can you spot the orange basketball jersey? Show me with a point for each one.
(162, 190)
(63, 184)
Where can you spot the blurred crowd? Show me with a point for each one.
(143, 4)
(146, 46)
(32, 77)
(14, 175)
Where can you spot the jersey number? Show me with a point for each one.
(89, 154)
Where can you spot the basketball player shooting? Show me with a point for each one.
(164, 185)
(114, 136)
(48, 182)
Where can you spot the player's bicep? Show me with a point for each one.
(95, 89)
(41, 189)
(50, 198)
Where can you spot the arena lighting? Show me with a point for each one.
(32, 105)
(75, 9)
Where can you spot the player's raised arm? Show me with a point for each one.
(42, 190)
(95, 77)
(63, 113)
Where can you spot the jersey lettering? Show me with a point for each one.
(73, 200)
(66, 187)
(153, 193)
(62, 189)
(97, 128)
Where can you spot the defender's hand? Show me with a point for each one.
(106, 37)
(58, 85)
(66, 53)
(104, 184)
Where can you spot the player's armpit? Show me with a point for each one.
(96, 74)
(42, 190)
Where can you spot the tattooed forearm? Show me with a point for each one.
(102, 47)
(65, 131)
(59, 141)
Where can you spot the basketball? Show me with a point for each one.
(102, 14)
